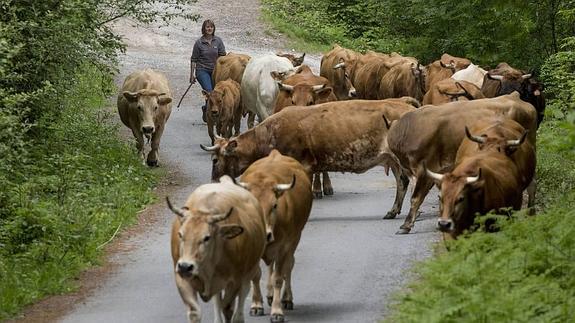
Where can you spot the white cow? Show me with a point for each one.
(473, 74)
(259, 89)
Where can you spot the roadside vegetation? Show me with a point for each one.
(69, 184)
(526, 271)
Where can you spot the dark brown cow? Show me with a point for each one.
(231, 66)
(444, 68)
(439, 133)
(492, 169)
(296, 61)
(449, 90)
(324, 137)
(337, 66)
(406, 79)
(224, 111)
(282, 186)
(369, 69)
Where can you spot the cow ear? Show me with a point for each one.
(131, 96)
(163, 100)
(325, 93)
(206, 94)
(230, 231)
(276, 76)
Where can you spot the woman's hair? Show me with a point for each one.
(205, 24)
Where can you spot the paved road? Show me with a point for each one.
(349, 260)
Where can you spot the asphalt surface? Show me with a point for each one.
(349, 261)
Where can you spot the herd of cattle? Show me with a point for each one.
(473, 135)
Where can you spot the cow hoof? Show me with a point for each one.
(328, 191)
(277, 318)
(403, 231)
(317, 195)
(152, 163)
(256, 311)
(270, 300)
(390, 215)
(287, 305)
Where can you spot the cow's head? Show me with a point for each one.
(146, 104)
(229, 156)
(268, 192)
(346, 66)
(459, 193)
(498, 143)
(296, 61)
(304, 94)
(215, 100)
(201, 235)
(532, 92)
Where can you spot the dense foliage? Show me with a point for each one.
(525, 272)
(66, 184)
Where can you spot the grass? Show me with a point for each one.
(80, 185)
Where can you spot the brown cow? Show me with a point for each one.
(369, 69)
(282, 186)
(296, 61)
(144, 105)
(324, 137)
(449, 90)
(223, 110)
(439, 133)
(338, 66)
(488, 176)
(305, 88)
(230, 66)
(444, 68)
(406, 79)
(217, 242)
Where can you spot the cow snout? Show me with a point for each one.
(445, 225)
(148, 129)
(270, 237)
(352, 93)
(215, 113)
(184, 268)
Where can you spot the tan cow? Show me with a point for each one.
(341, 136)
(406, 79)
(491, 171)
(338, 66)
(449, 90)
(223, 110)
(282, 186)
(144, 105)
(230, 66)
(305, 88)
(432, 135)
(218, 239)
(444, 68)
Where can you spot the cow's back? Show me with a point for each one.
(230, 66)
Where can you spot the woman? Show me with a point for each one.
(206, 51)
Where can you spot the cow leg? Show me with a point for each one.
(153, 155)
(237, 122)
(422, 187)
(531, 190)
(211, 131)
(287, 297)
(270, 286)
(190, 298)
(139, 143)
(277, 314)
(238, 316)
(251, 118)
(327, 188)
(218, 308)
(401, 184)
(257, 307)
(316, 186)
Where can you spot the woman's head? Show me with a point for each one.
(208, 23)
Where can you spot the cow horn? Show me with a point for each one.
(284, 87)
(495, 77)
(318, 87)
(477, 139)
(460, 93)
(436, 176)
(244, 185)
(211, 148)
(473, 179)
(179, 213)
(284, 187)
(220, 217)
(526, 76)
(339, 65)
(517, 142)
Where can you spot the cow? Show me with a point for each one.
(444, 68)
(448, 90)
(230, 66)
(295, 60)
(439, 133)
(369, 69)
(282, 186)
(405, 79)
(258, 87)
(491, 171)
(337, 66)
(305, 88)
(224, 110)
(505, 79)
(342, 136)
(473, 74)
(217, 241)
(144, 105)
